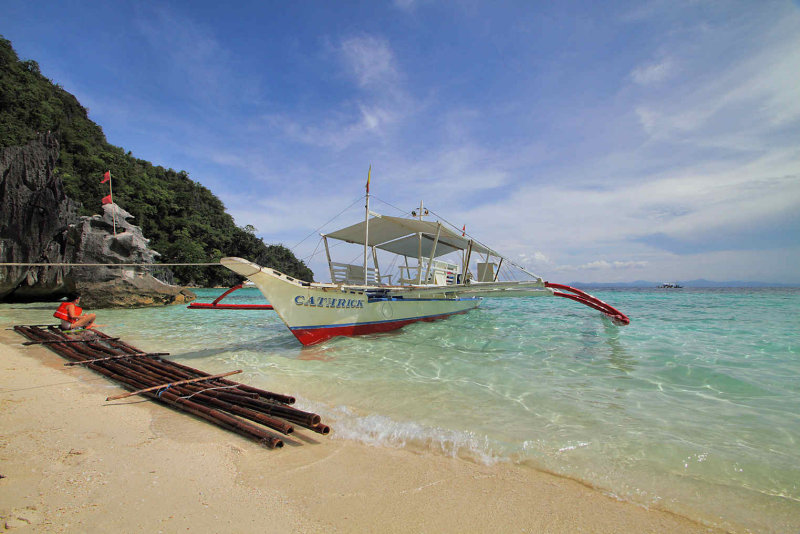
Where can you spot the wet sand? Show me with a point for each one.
(73, 462)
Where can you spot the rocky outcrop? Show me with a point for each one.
(112, 239)
(34, 219)
(39, 224)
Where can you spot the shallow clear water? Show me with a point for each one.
(694, 407)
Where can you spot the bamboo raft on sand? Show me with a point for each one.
(240, 408)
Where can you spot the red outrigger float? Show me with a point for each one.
(217, 306)
(587, 299)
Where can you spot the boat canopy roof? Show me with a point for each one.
(400, 236)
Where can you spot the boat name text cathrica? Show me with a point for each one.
(324, 302)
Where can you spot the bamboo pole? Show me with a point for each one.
(433, 251)
(328, 255)
(210, 414)
(61, 341)
(285, 412)
(120, 356)
(135, 379)
(498, 269)
(143, 370)
(285, 399)
(188, 391)
(146, 390)
(377, 269)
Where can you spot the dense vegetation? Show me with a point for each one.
(185, 222)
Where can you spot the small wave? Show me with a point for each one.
(382, 431)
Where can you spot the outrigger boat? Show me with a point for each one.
(438, 278)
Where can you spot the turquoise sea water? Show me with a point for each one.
(693, 408)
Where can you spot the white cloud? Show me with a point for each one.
(340, 130)
(405, 5)
(370, 60)
(370, 112)
(652, 73)
(605, 265)
(648, 118)
(193, 59)
(568, 223)
(722, 97)
(537, 257)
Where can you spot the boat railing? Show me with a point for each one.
(441, 273)
(346, 273)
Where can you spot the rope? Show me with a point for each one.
(308, 258)
(162, 390)
(495, 253)
(104, 264)
(207, 389)
(405, 212)
(329, 221)
(11, 390)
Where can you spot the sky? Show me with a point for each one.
(588, 141)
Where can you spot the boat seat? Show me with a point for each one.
(345, 273)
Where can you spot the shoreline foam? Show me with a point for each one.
(73, 462)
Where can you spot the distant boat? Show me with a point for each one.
(668, 285)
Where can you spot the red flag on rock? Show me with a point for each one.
(106, 177)
(107, 200)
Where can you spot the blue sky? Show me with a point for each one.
(588, 141)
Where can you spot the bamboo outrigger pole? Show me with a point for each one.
(161, 386)
(118, 356)
(48, 342)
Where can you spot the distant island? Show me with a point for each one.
(700, 282)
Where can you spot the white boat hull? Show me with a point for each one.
(317, 312)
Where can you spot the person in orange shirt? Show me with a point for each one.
(72, 315)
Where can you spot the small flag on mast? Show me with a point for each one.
(106, 200)
(463, 230)
(369, 172)
(106, 177)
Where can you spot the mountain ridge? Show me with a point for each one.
(699, 283)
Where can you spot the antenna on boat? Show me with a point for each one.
(366, 226)
(420, 212)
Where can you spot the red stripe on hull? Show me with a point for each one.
(311, 336)
(207, 306)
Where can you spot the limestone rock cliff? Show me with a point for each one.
(39, 224)
(111, 238)
(34, 218)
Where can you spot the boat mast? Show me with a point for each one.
(433, 250)
(366, 227)
(328, 254)
(466, 261)
(419, 249)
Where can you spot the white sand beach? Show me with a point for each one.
(72, 462)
